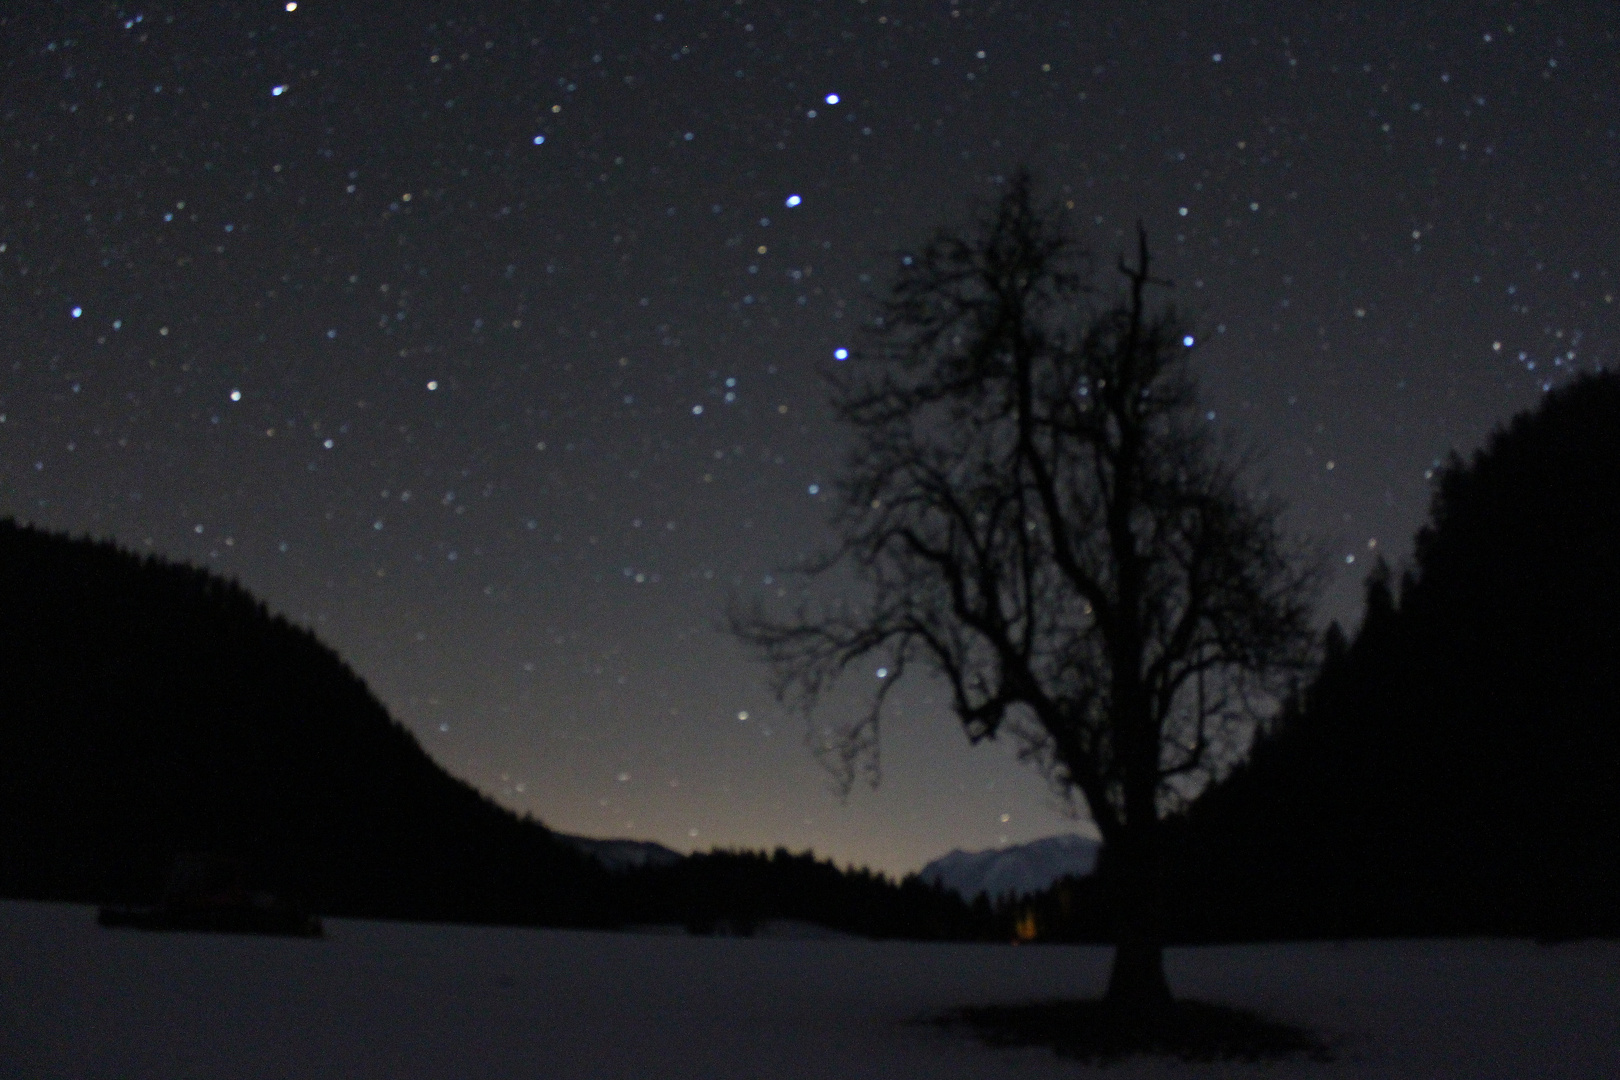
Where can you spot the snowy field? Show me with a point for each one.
(403, 1001)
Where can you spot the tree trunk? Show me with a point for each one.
(1136, 984)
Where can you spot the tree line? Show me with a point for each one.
(153, 710)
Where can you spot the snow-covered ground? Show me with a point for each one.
(402, 1001)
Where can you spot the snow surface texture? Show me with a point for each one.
(406, 1001)
(1021, 869)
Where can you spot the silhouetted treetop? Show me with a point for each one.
(1454, 769)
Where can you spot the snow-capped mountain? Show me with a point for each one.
(622, 854)
(1020, 869)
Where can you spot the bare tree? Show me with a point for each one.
(1045, 519)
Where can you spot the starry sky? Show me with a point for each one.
(488, 338)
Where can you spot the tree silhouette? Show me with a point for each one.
(1044, 518)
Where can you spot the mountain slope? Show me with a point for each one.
(1021, 869)
(151, 709)
(622, 854)
(1452, 769)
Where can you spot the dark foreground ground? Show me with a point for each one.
(406, 1001)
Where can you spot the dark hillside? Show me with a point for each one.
(1456, 767)
(150, 709)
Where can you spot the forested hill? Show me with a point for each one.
(149, 709)
(1455, 768)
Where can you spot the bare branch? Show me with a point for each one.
(1041, 518)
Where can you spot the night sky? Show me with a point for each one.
(487, 338)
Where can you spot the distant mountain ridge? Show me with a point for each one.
(1021, 869)
(622, 854)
